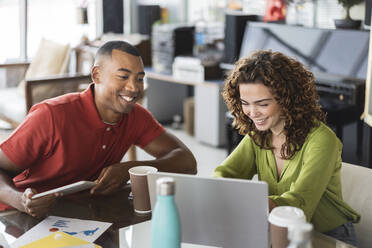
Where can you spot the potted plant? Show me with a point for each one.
(347, 22)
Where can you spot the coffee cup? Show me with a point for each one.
(280, 219)
(140, 191)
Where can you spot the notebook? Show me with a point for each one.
(219, 211)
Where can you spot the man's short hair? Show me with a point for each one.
(106, 49)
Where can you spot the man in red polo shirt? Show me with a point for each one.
(84, 136)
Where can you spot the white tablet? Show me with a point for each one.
(68, 189)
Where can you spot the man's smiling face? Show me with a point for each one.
(121, 81)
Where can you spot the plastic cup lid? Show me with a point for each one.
(285, 216)
(142, 170)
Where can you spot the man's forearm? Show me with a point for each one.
(178, 161)
(8, 192)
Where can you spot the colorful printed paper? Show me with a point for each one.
(87, 230)
(59, 239)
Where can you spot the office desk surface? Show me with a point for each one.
(186, 81)
(139, 236)
(115, 208)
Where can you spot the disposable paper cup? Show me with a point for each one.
(138, 180)
(280, 219)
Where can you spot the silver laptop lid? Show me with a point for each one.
(220, 212)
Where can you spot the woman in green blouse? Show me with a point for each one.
(275, 105)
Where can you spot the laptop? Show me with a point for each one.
(223, 212)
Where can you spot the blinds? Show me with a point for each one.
(326, 11)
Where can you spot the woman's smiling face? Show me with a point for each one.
(260, 106)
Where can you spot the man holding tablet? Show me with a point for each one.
(84, 136)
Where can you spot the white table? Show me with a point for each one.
(139, 235)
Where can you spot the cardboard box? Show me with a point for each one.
(188, 115)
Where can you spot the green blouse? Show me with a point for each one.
(310, 180)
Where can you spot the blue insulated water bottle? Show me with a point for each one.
(165, 223)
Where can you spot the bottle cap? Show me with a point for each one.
(300, 231)
(165, 186)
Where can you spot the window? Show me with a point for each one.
(326, 12)
(58, 20)
(10, 29)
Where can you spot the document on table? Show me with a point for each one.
(3, 241)
(87, 230)
(60, 239)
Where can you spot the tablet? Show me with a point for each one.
(67, 189)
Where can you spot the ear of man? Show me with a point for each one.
(95, 74)
(97, 68)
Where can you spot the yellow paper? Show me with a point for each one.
(58, 239)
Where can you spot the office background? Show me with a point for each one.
(24, 23)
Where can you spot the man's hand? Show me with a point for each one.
(37, 207)
(111, 179)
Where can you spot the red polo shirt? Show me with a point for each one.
(63, 140)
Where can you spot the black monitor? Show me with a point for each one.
(367, 16)
(328, 50)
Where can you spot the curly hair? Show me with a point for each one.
(293, 88)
